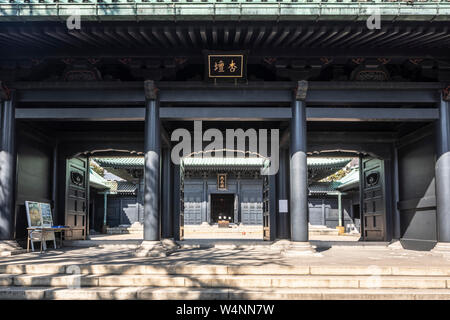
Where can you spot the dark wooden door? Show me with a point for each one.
(113, 212)
(77, 191)
(222, 207)
(251, 204)
(193, 203)
(373, 199)
(181, 201)
(266, 208)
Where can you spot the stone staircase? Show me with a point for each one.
(143, 281)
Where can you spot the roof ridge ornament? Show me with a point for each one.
(150, 90)
(301, 90)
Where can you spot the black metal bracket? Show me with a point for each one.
(446, 93)
(301, 90)
(150, 90)
(5, 92)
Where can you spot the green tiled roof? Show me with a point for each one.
(120, 163)
(138, 162)
(323, 187)
(122, 187)
(319, 162)
(134, 10)
(232, 162)
(349, 179)
(97, 181)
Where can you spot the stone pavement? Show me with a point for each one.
(257, 256)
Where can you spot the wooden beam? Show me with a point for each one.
(228, 113)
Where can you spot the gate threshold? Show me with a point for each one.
(361, 244)
(223, 243)
(220, 243)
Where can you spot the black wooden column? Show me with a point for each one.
(205, 199)
(298, 166)
(7, 163)
(176, 203)
(167, 195)
(443, 169)
(152, 223)
(282, 194)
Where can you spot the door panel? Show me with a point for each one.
(77, 191)
(113, 212)
(193, 196)
(266, 208)
(373, 199)
(181, 199)
(252, 204)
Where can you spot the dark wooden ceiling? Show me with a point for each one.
(264, 38)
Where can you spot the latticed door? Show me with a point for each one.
(373, 199)
(77, 191)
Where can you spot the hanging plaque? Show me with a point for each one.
(221, 181)
(226, 66)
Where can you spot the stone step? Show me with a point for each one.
(9, 248)
(227, 281)
(186, 269)
(112, 244)
(168, 293)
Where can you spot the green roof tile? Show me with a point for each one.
(119, 163)
(96, 180)
(323, 187)
(351, 178)
(153, 10)
(122, 187)
(320, 162)
(232, 162)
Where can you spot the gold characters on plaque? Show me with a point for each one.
(222, 181)
(232, 66)
(220, 66)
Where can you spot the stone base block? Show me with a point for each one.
(292, 248)
(156, 248)
(170, 245)
(395, 245)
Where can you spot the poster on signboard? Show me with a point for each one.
(46, 214)
(40, 215)
(34, 214)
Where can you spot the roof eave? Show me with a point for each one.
(241, 10)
